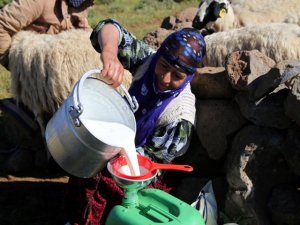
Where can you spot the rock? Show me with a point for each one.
(182, 25)
(267, 111)
(186, 15)
(254, 165)
(245, 67)
(216, 120)
(211, 82)
(189, 188)
(198, 158)
(292, 103)
(155, 38)
(291, 151)
(168, 23)
(284, 205)
(283, 73)
(288, 70)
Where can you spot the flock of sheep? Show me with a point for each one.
(44, 72)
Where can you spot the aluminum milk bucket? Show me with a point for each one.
(70, 143)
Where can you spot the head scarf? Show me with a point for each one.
(183, 49)
(76, 3)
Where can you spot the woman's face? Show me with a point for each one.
(168, 77)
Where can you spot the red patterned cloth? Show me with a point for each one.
(90, 200)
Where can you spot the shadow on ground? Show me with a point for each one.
(34, 196)
(31, 203)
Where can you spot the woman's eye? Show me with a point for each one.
(178, 76)
(181, 75)
(165, 66)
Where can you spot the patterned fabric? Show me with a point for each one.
(151, 102)
(132, 54)
(184, 49)
(166, 141)
(76, 3)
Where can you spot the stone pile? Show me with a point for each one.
(248, 124)
(247, 138)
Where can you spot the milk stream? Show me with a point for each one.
(119, 135)
(126, 170)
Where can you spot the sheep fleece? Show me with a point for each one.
(44, 68)
(279, 41)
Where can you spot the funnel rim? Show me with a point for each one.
(131, 178)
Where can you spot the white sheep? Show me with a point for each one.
(44, 68)
(279, 41)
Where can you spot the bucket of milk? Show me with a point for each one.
(91, 126)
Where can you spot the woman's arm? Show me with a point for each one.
(131, 51)
(113, 71)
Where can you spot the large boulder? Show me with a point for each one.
(254, 165)
(212, 83)
(216, 121)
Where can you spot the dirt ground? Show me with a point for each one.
(34, 195)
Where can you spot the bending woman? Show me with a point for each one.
(166, 113)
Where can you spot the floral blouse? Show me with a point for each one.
(169, 141)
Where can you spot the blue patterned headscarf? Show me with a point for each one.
(183, 49)
(76, 3)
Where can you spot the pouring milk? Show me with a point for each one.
(119, 135)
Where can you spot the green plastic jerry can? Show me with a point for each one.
(155, 207)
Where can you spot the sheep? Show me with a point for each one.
(214, 16)
(228, 22)
(240, 13)
(278, 41)
(44, 68)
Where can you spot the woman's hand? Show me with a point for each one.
(113, 71)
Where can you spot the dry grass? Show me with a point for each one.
(4, 83)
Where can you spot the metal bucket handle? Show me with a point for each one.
(76, 110)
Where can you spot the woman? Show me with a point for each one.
(166, 108)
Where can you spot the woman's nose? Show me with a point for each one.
(166, 77)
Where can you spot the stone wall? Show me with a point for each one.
(247, 138)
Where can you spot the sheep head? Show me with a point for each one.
(210, 11)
